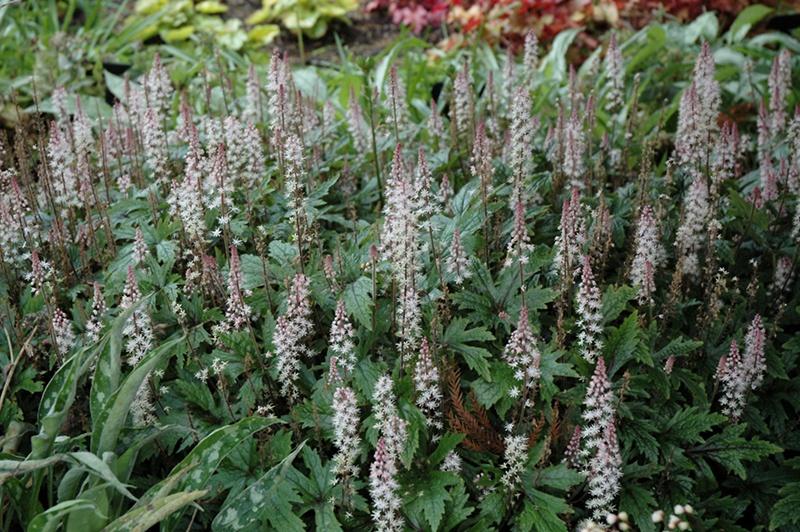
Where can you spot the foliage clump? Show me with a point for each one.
(335, 297)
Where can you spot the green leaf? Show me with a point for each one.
(358, 300)
(143, 517)
(205, 457)
(640, 505)
(749, 17)
(447, 443)
(706, 26)
(108, 368)
(57, 398)
(541, 512)
(558, 476)
(687, 425)
(615, 300)
(539, 519)
(785, 512)
(109, 422)
(50, 520)
(92, 463)
(101, 469)
(730, 449)
(10, 468)
(552, 368)
(678, 347)
(325, 517)
(269, 498)
(458, 338)
(456, 509)
(429, 495)
(554, 64)
(624, 344)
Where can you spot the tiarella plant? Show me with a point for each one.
(467, 291)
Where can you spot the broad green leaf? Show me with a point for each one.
(107, 370)
(456, 509)
(554, 64)
(101, 469)
(50, 519)
(705, 27)
(688, 424)
(678, 347)
(539, 519)
(11, 468)
(745, 20)
(358, 300)
(111, 419)
(268, 499)
(205, 457)
(141, 518)
(624, 344)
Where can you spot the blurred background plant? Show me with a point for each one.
(65, 44)
(309, 17)
(186, 20)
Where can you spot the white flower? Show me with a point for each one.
(62, 328)
(514, 458)
(429, 393)
(291, 329)
(590, 314)
(138, 329)
(345, 429)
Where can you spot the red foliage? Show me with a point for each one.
(507, 21)
(416, 14)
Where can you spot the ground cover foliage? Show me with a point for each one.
(420, 291)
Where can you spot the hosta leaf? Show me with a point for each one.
(269, 498)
